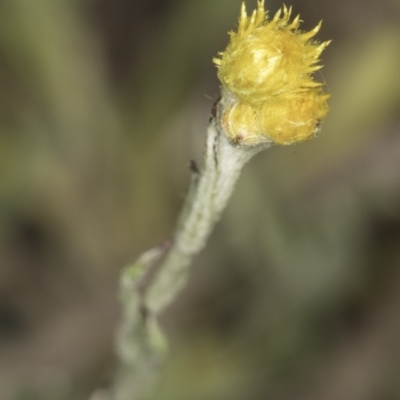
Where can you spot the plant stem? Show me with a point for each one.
(206, 200)
(146, 293)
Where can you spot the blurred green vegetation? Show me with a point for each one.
(102, 104)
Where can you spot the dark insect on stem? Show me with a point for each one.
(214, 109)
(193, 166)
(237, 140)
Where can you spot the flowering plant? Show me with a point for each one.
(268, 96)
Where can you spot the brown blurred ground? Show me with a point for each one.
(102, 103)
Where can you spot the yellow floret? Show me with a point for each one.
(267, 70)
(294, 117)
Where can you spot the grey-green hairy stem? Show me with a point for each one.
(158, 276)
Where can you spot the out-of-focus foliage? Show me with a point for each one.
(102, 103)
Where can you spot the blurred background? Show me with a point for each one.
(102, 104)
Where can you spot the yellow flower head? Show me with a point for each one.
(266, 75)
